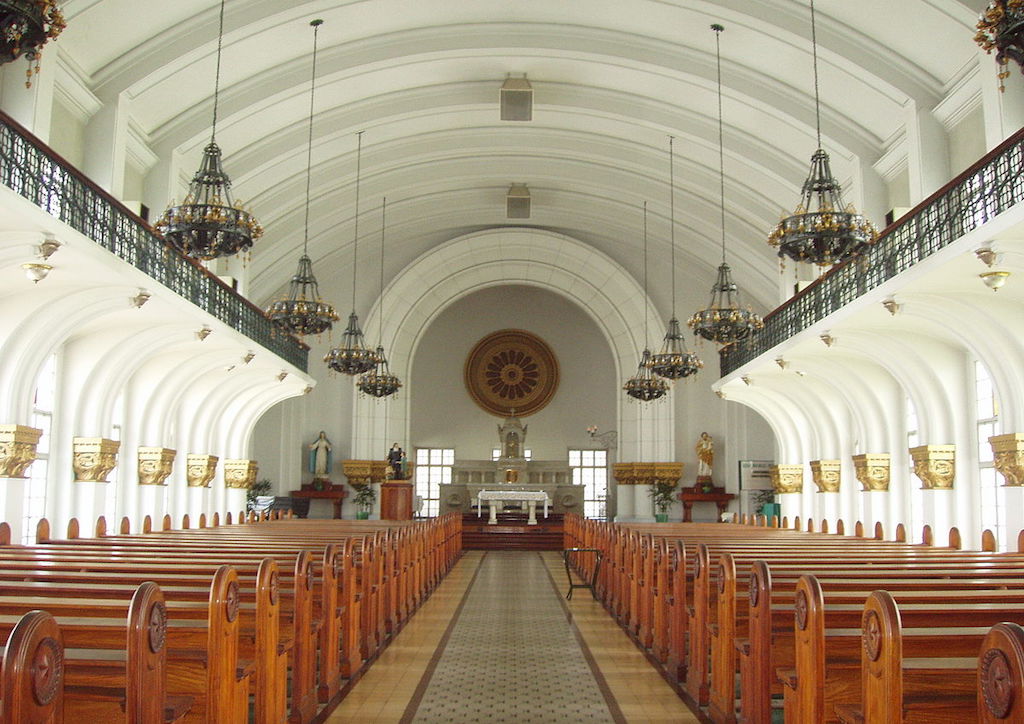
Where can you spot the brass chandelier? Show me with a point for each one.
(723, 321)
(352, 357)
(379, 382)
(209, 223)
(1001, 28)
(822, 230)
(302, 312)
(645, 385)
(25, 27)
(674, 361)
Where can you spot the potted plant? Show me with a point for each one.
(365, 497)
(258, 488)
(763, 502)
(662, 492)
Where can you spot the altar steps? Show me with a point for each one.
(512, 533)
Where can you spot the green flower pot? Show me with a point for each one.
(661, 517)
(362, 515)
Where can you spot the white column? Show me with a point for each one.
(1003, 110)
(938, 513)
(927, 152)
(1014, 512)
(877, 507)
(31, 107)
(826, 507)
(106, 141)
(12, 497)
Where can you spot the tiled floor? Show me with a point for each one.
(636, 689)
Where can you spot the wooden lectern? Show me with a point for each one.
(396, 500)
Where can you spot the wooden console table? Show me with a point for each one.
(335, 494)
(718, 496)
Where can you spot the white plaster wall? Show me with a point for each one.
(446, 416)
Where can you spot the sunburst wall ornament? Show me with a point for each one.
(511, 369)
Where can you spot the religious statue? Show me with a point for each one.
(396, 459)
(705, 456)
(319, 462)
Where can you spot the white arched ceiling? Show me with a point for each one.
(527, 257)
(611, 80)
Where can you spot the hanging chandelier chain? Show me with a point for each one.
(645, 274)
(355, 241)
(721, 133)
(380, 311)
(672, 215)
(817, 95)
(216, 83)
(309, 150)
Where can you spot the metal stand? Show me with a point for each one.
(566, 554)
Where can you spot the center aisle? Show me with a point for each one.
(497, 643)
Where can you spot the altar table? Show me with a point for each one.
(530, 496)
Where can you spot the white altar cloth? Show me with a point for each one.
(532, 497)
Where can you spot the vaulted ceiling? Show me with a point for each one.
(612, 80)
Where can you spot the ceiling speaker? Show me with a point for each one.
(516, 99)
(517, 202)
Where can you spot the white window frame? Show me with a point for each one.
(594, 478)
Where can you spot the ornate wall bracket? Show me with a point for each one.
(935, 465)
(93, 458)
(646, 473)
(1008, 456)
(826, 474)
(787, 478)
(364, 472)
(200, 469)
(17, 449)
(240, 474)
(155, 465)
(872, 470)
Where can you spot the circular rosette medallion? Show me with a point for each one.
(511, 370)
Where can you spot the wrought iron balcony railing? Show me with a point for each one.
(33, 170)
(989, 187)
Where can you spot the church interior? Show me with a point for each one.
(391, 308)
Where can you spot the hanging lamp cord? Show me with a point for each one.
(309, 150)
(645, 275)
(355, 241)
(817, 97)
(672, 216)
(721, 133)
(383, 216)
(216, 83)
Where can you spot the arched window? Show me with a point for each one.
(991, 495)
(42, 418)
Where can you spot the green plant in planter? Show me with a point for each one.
(662, 492)
(760, 498)
(261, 487)
(365, 497)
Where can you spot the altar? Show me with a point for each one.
(511, 472)
(494, 497)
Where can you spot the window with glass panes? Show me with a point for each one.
(916, 496)
(590, 469)
(987, 415)
(433, 468)
(496, 453)
(42, 419)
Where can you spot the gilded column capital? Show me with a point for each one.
(155, 465)
(200, 469)
(625, 473)
(1008, 457)
(826, 474)
(935, 465)
(93, 458)
(787, 478)
(240, 474)
(667, 473)
(17, 449)
(364, 472)
(872, 470)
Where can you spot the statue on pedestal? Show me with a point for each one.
(512, 435)
(319, 459)
(705, 457)
(396, 459)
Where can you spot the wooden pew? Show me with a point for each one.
(32, 679)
